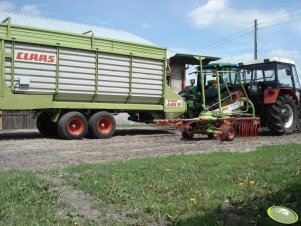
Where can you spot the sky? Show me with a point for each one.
(223, 28)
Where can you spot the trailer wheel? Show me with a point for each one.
(72, 125)
(102, 125)
(187, 133)
(228, 133)
(284, 116)
(45, 126)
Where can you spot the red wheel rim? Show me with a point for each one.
(75, 126)
(231, 134)
(104, 125)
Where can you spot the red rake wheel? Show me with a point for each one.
(102, 125)
(187, 133)
(228, 133)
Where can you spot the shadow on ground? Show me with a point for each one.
(16, 135)
(20, 135)
(232, 216)
(133, 132)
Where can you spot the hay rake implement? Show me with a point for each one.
(233, 115)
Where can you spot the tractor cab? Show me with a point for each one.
(204, 78)
(228, 72)
(273, 86)
(192, 93)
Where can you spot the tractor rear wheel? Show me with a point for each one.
(284, 116)
(102, 125)
(187, 132)
(45, 126)
(72, 125)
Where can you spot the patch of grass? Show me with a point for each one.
(203, 189)
(24, 200)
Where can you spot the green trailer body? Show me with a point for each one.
(45, 69)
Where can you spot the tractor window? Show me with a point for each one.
(258, 75)
(246, 75)
(230, 77)
(269, 75)
(296, 78)
(284, 75)
(264, 73)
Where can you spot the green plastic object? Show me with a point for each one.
(282, 215)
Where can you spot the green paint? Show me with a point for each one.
(29, 35)
(8, 20)
(12, 101)
(106, 106)
(173, 112)
(2, 74)
(218, 91)
(96, 76)
(79, 41)
(219, 65)
(12, 82)
(57, 71)
(163, 85)
(55, 116)
(92, 41)
(130, 79)
(201, 76)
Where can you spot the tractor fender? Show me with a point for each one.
(271, 95)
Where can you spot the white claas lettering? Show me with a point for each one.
(35, 57)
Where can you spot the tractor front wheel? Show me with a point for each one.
(284, 116)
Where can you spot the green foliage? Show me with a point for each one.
(24, 200)
(194, 189)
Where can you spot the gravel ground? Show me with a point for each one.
(27, 149)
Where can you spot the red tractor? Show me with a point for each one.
(274, 88)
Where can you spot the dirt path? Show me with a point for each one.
(27, 149)
(77, 200)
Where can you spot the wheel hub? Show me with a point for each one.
(75, 126)
(105, 125)
(287, 115)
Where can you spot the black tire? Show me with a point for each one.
(228, 133)
(45, 126)
(284, 116)
(102, 125)
(187, 132)
(72, 125)
(210, 136)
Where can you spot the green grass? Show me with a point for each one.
(175, 190)
(24, 200)
(192, 189)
